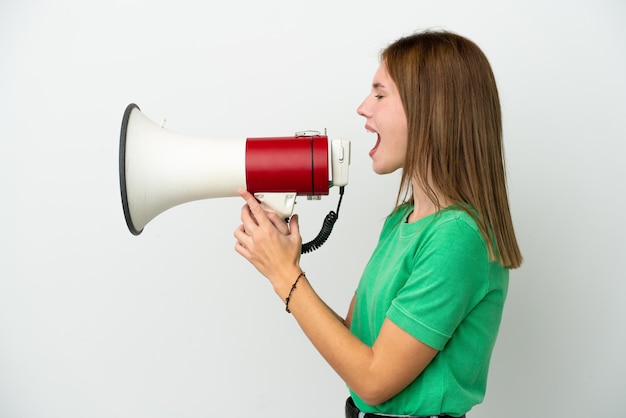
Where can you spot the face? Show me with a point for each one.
(385, 117)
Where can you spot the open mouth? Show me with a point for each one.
(373, 150)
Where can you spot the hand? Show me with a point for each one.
(269, 243)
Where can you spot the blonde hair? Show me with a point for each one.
(450, 98)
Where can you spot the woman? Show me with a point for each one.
(422, 324)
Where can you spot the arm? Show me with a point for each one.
(375, 373)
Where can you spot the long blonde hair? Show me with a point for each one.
(450, 97)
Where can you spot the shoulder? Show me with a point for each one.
(453, 220)
(454, 225)
(454, 234)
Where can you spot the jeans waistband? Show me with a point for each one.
(353, 412)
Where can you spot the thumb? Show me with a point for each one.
(294, 225)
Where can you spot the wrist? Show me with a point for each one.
(302, 276)
(282, 284)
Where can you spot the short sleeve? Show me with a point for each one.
(449, 277)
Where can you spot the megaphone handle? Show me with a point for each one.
(281, 203)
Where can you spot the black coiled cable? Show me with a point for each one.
(327, 228)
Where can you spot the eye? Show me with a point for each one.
(378, 96)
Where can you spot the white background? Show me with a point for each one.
(95, 322)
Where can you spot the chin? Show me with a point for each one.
(383, 170)
(385, 166)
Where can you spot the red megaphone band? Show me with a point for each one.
(288, 164)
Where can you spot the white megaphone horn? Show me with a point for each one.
(160, 169)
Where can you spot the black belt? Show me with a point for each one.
(353, 412)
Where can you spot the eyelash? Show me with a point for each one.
(378, 96)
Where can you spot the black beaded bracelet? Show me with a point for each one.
(291, 291)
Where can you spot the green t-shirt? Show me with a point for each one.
(433, 279)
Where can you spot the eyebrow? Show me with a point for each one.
(379, 86)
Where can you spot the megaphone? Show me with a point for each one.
(160, 169)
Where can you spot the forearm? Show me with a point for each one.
(351, 359)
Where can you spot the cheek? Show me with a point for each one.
(398, 119)
(401, 133)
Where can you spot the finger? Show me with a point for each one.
(247, 217)
(246, 195)
(242, 250)
(256, 211)
(278, 222)
(294, 225)
(250, 199)
(242, 242)
(241, 235)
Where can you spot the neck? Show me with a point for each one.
(422, 205)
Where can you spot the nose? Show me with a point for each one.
(363, 109)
